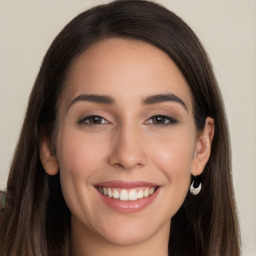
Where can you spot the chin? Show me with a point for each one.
(131, 230)
(127, 237)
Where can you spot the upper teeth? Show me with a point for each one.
(127, 194)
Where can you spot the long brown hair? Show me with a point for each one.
(35, 219)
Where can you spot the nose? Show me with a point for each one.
(128, 150)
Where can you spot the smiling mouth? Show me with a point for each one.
(123, 194)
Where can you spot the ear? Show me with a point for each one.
(203, 147)
(47, 157)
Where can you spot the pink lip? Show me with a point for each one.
(125, 184)
(127, 206)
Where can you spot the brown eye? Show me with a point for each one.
(162, 120)
(158, 120)
(93, 120)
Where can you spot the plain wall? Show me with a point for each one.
(227, 29)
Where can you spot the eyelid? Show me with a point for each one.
(81, 120)
(172, 120)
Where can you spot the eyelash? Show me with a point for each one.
(168, 120)
(86, 120)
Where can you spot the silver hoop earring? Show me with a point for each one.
(196, 185)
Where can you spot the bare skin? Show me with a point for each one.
(126, 133)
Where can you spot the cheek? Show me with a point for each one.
(79, 157)
(175, 151)
(174, 158)
(175, 163)
(79, 154)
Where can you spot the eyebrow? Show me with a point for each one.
(154, 99)
(102, 99)
(107, 100)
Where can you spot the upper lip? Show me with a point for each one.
(125, 184)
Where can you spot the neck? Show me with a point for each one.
(85, 242)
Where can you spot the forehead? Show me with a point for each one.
(125, 68)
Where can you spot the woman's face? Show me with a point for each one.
(125, 128)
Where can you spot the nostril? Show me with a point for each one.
(127, 165)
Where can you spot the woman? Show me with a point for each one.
(124, 148)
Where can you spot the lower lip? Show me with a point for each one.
(128, 206)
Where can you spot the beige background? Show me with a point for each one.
(228, 32)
